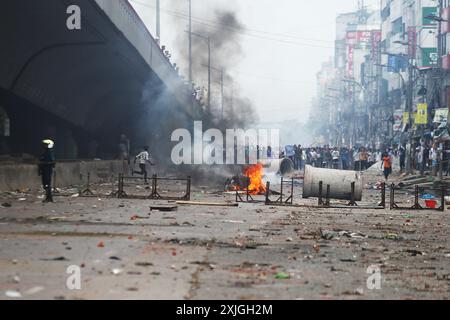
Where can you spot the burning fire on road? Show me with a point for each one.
(255, 174)
(251, 178)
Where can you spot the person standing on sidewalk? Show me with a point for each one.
(362, 157)
(336, 158)
(446, 160)
(420, 157)
(434, 155)
(297, 157)
(402, 154)
(124, 153)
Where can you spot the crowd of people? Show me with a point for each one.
(343, 158)
(357, 158)
(427, 156)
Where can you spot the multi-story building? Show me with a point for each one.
(387, 70)
(410, 59)
(357, 35)
(445, 52)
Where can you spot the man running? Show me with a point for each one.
(143, 158)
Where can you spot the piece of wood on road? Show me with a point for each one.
(212, 204)
(163, 208)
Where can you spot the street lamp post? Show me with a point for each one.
(351, 130)
(222, 91)
(364, 90)
(209, 74)
(190, 41)
(409, 100)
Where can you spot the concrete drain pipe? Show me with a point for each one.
(340, 182)
(284, 167)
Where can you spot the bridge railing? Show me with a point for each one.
(126, 19)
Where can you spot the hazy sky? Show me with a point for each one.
(288, 42)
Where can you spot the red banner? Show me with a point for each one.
(412, 42)
(350, 61)
(358, 37)
(351, 38)
(363, 36)
(446, 16)
(375, 39)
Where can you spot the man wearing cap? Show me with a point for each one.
(45, 168)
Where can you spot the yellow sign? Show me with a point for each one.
(422, 114)
(405, 117)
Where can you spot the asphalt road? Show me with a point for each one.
(125, 251)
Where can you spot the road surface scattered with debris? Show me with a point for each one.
(254, 251)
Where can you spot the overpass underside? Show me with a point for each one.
(82, 88)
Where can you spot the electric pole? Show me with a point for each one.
(190, 41)
(232, 99)
(440, 50)
(361, 11)
(221, 90)
(439, 37)
(209, 75)
(158, 21)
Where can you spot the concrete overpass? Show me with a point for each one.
(83, 87)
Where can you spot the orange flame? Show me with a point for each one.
(255, 174)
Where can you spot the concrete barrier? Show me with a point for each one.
(25, 176)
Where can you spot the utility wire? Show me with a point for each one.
(245, 31)
(264, 77)
(181, 14)
(273, 79)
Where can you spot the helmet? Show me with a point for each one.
(50, 144)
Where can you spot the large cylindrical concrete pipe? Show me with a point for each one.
(340, 183)
(284, 166)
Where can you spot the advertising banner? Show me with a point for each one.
(376, 39)
(440, 115)
(422, 114)
(412, 42)
(426, 11)
(429, 57)
(398, 117)
(350, 61)
(405, 117)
